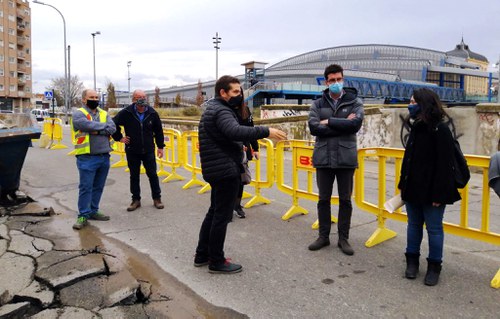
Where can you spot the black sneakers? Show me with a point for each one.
(319, 243)
(226, 267)
(200, 261)
(239, 212)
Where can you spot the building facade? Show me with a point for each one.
(15, 54)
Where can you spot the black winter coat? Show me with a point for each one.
(426, 172)
(142, 135)
(336, 145)
(220, 137)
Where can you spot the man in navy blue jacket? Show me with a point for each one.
(143, 129)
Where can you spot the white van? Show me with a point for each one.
(39, 114)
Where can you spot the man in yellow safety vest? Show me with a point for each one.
(93, 128)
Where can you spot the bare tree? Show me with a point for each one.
(199, 95)
(157, 98)
(110, 96)
(75, 92)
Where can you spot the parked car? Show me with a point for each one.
(40, 114)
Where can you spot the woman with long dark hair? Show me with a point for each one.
(427, 182)
(251, 148)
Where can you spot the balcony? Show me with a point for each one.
(20, 55)
(20, 13)
(21, 81)
(20, 27)
(21, 41)
(21, 68)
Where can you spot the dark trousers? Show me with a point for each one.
(325, 178)
(134, 164)
(214, 226)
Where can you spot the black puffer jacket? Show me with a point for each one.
(220, 137)
(335, 145)
(141, 134)
(426, 173)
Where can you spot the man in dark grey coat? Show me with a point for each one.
(221, 153)
(334, 119)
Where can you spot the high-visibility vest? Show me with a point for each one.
(81, 140)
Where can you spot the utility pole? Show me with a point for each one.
(217, 41)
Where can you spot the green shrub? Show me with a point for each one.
(191, 111)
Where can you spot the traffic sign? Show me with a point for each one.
(48, 95)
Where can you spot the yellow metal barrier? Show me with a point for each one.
(301, 162)
(172, 153)
(257, 182)
(52, 130)
(119, 149)
(461, 229)
(191, 152)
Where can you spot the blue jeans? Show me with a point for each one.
(134, 164)
(433, 218)
(93, 171)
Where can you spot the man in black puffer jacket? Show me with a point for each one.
(221, 152)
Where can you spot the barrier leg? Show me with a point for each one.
(174, 176)
(495, 282)
(121, 163)
(205, 188)
(73, 152)
(381, 234)
(58, 146)
(246, 195)
(257, 199)
(162, 172)
(193, 182)
(315, 225)
(294, 210)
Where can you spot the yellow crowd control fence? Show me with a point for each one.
(53, 131)
(191, 160)
(262, 180)
(460, 228)
(301, 163)
(172, 155)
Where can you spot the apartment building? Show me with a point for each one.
(15, 54)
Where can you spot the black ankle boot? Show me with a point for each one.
(433, 271)
(412, 264)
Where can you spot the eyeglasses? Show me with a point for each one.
(334, 80)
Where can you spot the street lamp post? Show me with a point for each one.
(93, 52)
(217, 41)
(66, 80)
(129, 63)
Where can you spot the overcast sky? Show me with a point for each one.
(170, 41)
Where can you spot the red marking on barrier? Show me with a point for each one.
(305, 160)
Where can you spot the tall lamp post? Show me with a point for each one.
(66, 80)
(217, 42)
(93, 52)
(129, 63)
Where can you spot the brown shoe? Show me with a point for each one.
(134, 205)
(158, 204)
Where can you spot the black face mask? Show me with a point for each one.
(141, 102)
(92, 104)
(235, 101)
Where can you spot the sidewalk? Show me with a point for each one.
(281, 278)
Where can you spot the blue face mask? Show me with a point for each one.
(336, 88)
(414, 110)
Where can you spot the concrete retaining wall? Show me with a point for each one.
(477, 128)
